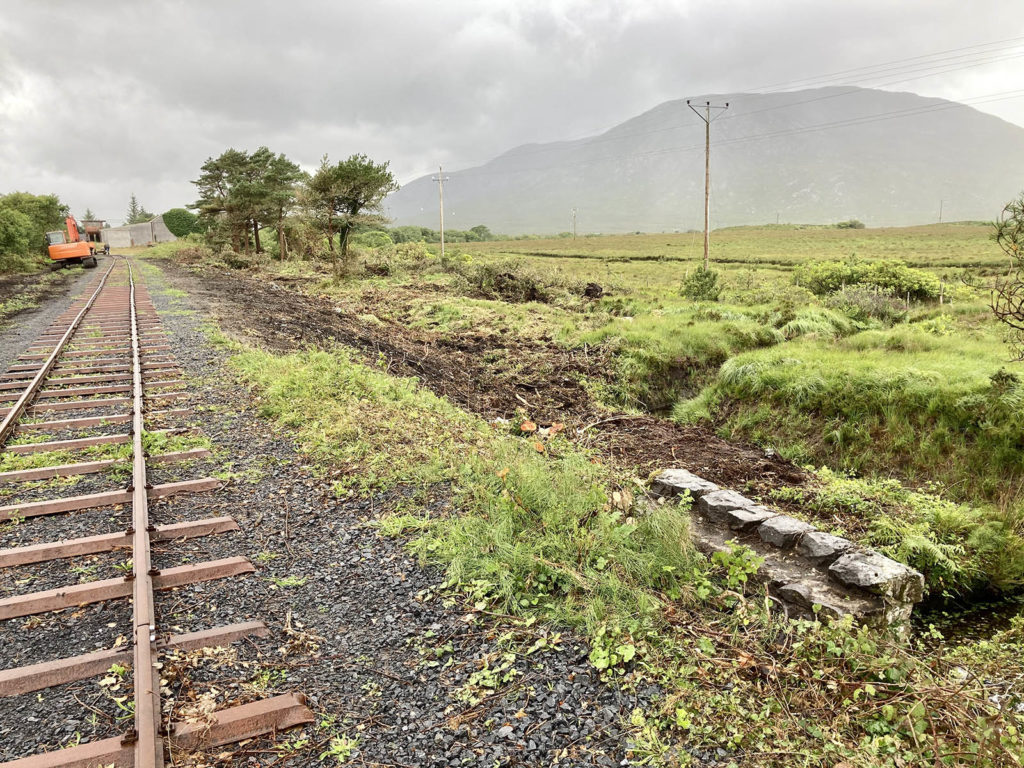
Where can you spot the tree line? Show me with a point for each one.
(241, 194)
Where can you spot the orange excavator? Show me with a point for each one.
(72, 248)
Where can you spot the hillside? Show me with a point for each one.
(770, 158)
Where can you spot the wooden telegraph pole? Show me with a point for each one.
(573, 223)
(441, 179)
(708, 119)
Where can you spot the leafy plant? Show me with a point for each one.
(702, 285)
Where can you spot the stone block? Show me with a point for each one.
(717, 503)
(822, 548)
(880, 575)
(805, 597)
(782, 531)
(748, 518)
(673, 482)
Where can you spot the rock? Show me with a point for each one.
(593, 291)
(822, 548)
(715, 504)
(747, 519)
(879, 574)
(805, 595)
(505, 732)
(673, 482)
(782, 531)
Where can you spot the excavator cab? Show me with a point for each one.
(72, 248)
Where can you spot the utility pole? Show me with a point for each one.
(573, 223)
(441, 179)
(940, 211)
(708, 119)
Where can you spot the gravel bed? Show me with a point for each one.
(320, 566)
(356, 624)
(25, 579)
(58, 488)
(19, 332)
(72, 525)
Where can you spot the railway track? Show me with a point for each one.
(104, 362)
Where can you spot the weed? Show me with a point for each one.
(288, 582)
(340, 749)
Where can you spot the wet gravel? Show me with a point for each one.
(356, 625)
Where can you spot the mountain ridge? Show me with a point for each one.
(812, 156)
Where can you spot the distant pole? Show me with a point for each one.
(441, 179)
(573, 223)
(706, 117)
(776, 218)
(940, 211)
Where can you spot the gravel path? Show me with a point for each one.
(392, 668)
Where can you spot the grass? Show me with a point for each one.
(850, 382)
(545, 534)
(930, 407)
(958, 547)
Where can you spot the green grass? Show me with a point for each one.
(824, 381)
(549, 536)
(930, 407)
(959, 548)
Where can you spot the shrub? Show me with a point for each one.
(15, 233)
(372, 239)
(514, 280)
(180, 222)
(825, 277)
(862, 304)
(850, 224)
(702, 285)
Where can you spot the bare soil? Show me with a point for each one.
(492, 376)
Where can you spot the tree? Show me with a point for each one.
(180, 222)
(239, 194)
(45, 213)
(350, 193)
(218, 206)
(88, 215)
(15, 233)
(1008, 295)
(137, 213)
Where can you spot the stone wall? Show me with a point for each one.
(809, 571)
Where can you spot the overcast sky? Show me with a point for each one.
(99, 100)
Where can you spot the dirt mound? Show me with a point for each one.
(495, 377)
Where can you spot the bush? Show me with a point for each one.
(863, 304)
(702, 285)
(515, 281)
(372, 239)
(825, 277)
(404, 257)
(851, 224)
(15, 233)
(180, 222)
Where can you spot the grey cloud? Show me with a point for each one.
(416, 83)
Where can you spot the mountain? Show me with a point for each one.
(812, 156)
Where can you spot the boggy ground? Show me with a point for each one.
(493, 376)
